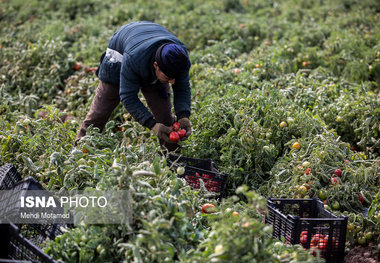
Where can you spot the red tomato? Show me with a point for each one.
(213, 186)
(338, 172)
(303, 238)
(93, 69)
(174, 136)
(207, 176)
(182, 133)
(361, 199)
(176, 126)
(208, 208)
(322, 246)
(316, 239)
(333, 243)
(334, 180)
(77, 66)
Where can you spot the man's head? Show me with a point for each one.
(171, 61)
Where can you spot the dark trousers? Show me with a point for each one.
(157, 96)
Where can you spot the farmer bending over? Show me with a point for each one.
(143, 55)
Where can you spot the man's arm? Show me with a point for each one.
(182, 96)
(129, 88)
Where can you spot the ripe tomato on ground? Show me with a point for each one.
(77, 66)
(338, 172)
(334, 181)
(361, 199)
(208, 208)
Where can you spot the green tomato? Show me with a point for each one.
(362, 240)
(219, 249)
(335, 205)
(322, 194)
(82, 161)
(350, 227)
(180, 170)
(339, 118)
(278, 245)
(99, 248)
(368, 236)
(303, 190)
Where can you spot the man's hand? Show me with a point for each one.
(162, 132)
(184, 123)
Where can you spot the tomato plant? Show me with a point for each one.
(282, 105)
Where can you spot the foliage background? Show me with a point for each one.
(255, 64)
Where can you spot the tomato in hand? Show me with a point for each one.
(182, 133)
(173, 136)
(176, 126)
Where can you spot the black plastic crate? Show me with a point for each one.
(2, 260)
(14, 247)
(10, 205)
(8, 176)
(306, 222)
(200, 169)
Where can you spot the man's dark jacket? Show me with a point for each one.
(137, 43)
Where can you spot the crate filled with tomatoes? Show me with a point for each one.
(308, 223)
(199, 173)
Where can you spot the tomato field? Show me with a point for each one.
(285, 100)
